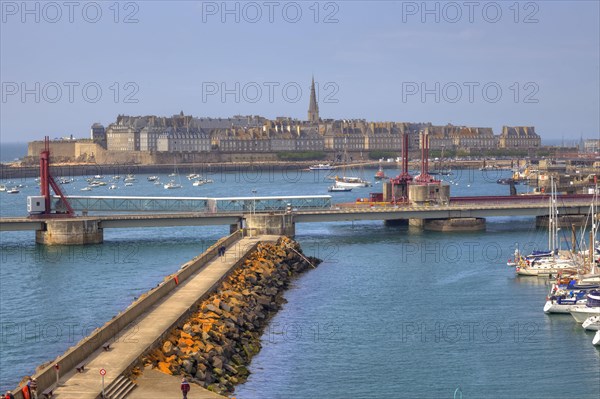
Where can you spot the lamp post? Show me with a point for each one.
(254, 201)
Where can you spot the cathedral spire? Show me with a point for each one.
(313, 107)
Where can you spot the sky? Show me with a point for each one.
(66, 65)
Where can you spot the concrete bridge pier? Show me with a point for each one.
(235, 227)
(448, 225)
(70, 232)
(270, 224)
(564, 221)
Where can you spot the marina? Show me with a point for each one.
(459, 261)
(209, 200)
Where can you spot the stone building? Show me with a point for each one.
(98, 134)
(519, 137)
(591, 145)
(183, 140)
(122, 138)
(149, 136)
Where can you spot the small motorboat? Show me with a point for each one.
(171, 185)
(380, 174)
(321, 166)
(129, 184)
(336, 189)
(592, 323)
(152, 178)
(14, 190)
(112, 187)
(88, 188)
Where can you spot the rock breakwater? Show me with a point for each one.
(217, 342)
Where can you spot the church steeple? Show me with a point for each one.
(313, 107)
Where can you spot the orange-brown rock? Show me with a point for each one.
(216, 342)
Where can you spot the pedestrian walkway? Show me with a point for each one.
(149, 327)
(154, 384)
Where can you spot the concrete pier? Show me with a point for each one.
(449, 225)
(142, 325)
(280, 224)
(70, 232)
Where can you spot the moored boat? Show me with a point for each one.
(592, 323)
(321, 166)
(352, 182)
(592, 307)
(335, 189)
(380, 174)
(172, 185)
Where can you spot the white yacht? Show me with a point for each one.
(152, 178)
(596, 340)
(171, 185)
(352, 182)
(336, 188)
(592, 323)
(321, 166)
(592, 307)
(130, 178)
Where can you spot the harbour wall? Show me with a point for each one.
(67, 362)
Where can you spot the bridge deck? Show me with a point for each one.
(471, 207)
(149, 327)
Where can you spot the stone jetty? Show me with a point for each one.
(216, 343)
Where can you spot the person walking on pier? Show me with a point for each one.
(32, 388)
(222, 250)
(8, 395)
(185, 387)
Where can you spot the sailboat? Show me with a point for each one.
(349, 181)
(172, 184)
(547, 265)
(175, 172)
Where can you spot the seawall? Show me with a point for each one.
(67, 362)
(214, 346)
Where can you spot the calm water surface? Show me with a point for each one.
(391, 312)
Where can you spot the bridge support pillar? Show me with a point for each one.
(70, 232)
(235, 227)
(282, 224)
(565, 221)
(452, 224)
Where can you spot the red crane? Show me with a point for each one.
(47, 181)
(404, 178)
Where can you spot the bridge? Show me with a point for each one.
(276, 215)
